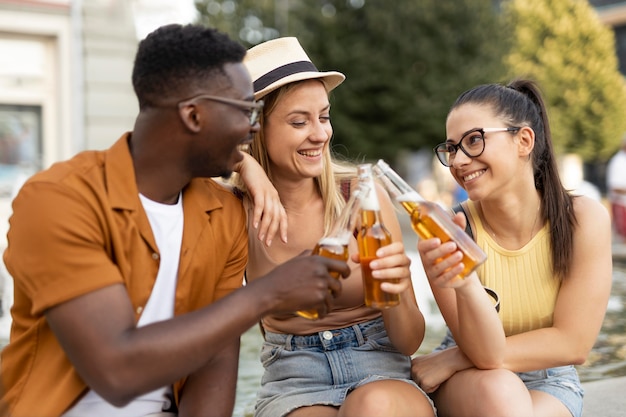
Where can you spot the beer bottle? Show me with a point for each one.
(334, 245)
(372, 236)
(429, 219)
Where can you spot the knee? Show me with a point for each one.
(386, 398)
(501, 393)
(494, 380)
(372, 402)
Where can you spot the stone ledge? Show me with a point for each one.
(605, 398)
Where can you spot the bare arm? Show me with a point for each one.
(211, 390)
(268, 214)
(464, 304)
(120, 361)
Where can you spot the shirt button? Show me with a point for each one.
(139, 310)
(155, 256)
(327, 335)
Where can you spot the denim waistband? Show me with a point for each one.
(355, 335)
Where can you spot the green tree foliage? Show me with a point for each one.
(405, 64)
(405, 61)
(563, 45)
(248, 21)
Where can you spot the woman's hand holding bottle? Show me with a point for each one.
(443, 261)
(429, 220)
(391, 262)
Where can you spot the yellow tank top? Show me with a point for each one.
(522, 278)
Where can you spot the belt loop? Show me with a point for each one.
(289, 342)
(359, 334)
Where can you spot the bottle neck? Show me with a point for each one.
(370, 217)
(370, 207)
(397, 187)
(411, 196)
(369, 201)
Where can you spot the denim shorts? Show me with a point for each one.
(323, 368)
(561, 382)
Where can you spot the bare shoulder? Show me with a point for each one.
(590, 212)
(593, 228)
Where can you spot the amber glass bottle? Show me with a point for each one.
(429, 219)
(334, 245)
(372, 236)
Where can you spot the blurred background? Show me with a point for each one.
(65, 73)
(65, 87)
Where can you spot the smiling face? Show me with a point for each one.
(503, 161)
(222, 127)
(297, 132)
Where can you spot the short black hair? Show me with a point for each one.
(175, 57)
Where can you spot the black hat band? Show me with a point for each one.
(282, 72)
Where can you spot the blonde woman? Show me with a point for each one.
(355, 360)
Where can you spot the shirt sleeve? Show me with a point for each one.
(237, 258)
(56, 245)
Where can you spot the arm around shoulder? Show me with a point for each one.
(268, 215)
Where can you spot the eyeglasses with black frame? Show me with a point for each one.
(472, 144)
(251, 108)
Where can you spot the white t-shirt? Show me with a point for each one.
(167, 226)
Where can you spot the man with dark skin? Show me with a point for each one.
(86, 257)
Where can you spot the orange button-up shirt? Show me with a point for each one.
(80, 226)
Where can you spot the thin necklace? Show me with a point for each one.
(493, 234)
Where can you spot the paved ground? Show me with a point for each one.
(605, 398)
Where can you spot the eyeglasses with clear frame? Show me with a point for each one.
(472, 144)
(251, 108)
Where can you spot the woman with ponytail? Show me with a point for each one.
(549, 261)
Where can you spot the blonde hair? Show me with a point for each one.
(334, 172)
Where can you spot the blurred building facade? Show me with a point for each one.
(64, 79)
(613, 14)
(64, 85)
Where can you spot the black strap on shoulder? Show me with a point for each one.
(459, 209)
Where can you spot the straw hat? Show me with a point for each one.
(281, 61)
